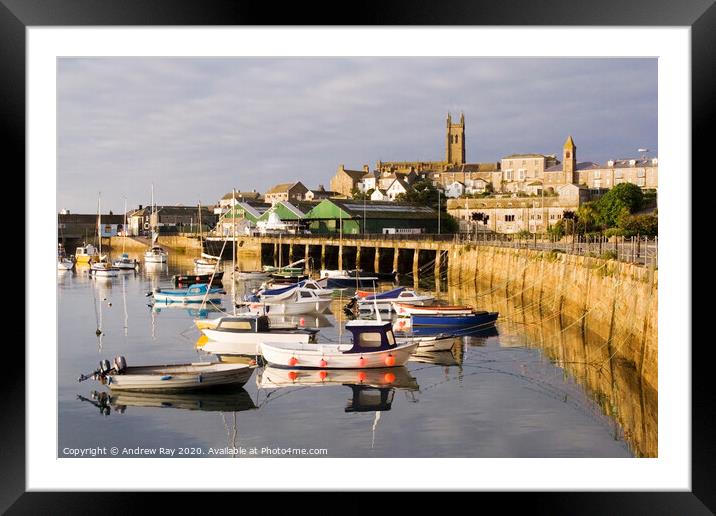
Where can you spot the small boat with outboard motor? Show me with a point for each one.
(192, 279)
(169, 378)
(384, 300)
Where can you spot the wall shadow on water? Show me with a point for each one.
(611, 381)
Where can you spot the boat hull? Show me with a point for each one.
(431, 343)
(408, 309)
(171, 298)
(291, 307)
(246, 343)
(178, 378)
(351, 282)
(333, 356)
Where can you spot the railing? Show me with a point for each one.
(638, 249)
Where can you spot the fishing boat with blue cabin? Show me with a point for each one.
(193, 294)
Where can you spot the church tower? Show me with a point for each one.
(569, 160)
(455, 147)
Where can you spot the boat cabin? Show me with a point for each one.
(371, 336)
(87, 250)
(370, 399)
(244, 324)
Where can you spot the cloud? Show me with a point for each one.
(196, 127)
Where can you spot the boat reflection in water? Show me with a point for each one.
(372, 389)
(453, 357)
(225, 400)
(197, 313)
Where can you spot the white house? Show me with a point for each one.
(473, 186)
(379, 195)
(397, 187)
(454, 189)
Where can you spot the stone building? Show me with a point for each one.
(286, 192)
(515, 214)
(345, 181)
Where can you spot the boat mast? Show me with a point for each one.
(124, 228)
(201, 232)
(233, 249)
(99, 224)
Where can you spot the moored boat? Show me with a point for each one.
(458, 325)
(384, 300)
(104, 269)
(302, 301)
(430, 342)
(86, 253)
(169, 378)
(408, 308)
(242, 334)
(125, 263)
(194, 294)
(251, 275)
(373, 346)
(187, 279)
(155, 255)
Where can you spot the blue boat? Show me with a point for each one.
(455, 324)
(193, 294)
(347, 282)
(390, 294)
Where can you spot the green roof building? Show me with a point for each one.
(375, 216)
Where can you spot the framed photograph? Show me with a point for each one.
(419, 252)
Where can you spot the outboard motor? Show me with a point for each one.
(120, 364)
(104, 366)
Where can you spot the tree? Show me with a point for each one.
(359, 196)
(623, 196)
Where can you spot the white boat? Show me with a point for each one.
(126, 263)
(204, 263)
(170, 378)
(373, 346)
(104, 269)
(155, 254)
(194, 294)
(302, 301)
(430, 343)
(242, 334)
(409, 308)
(286, 291)
(278, 377)
(385, 300)
(63, 262)
(251, 275)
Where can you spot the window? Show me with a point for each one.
(617, 174)
(509, 218)
(597, 183)
(640, 181)
(369, 339)
(567, 154)
(597, 174)
(306, 294)
(521, 174)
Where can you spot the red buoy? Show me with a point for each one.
(389, 377)
(361, 362)
(361, 376)
(323, 374)
(301, 321)
(390, 360)
(292, 361)
(323, 363)
(292, 375)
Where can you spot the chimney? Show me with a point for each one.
(140, 206)
(366, 168)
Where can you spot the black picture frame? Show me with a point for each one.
(700, 15)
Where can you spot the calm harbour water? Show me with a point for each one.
(503, 395)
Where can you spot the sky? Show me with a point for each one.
(198, 127)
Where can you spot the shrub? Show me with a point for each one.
(609, 255)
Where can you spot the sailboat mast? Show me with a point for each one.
(233, 249)
(99, 224)
(124, 227)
